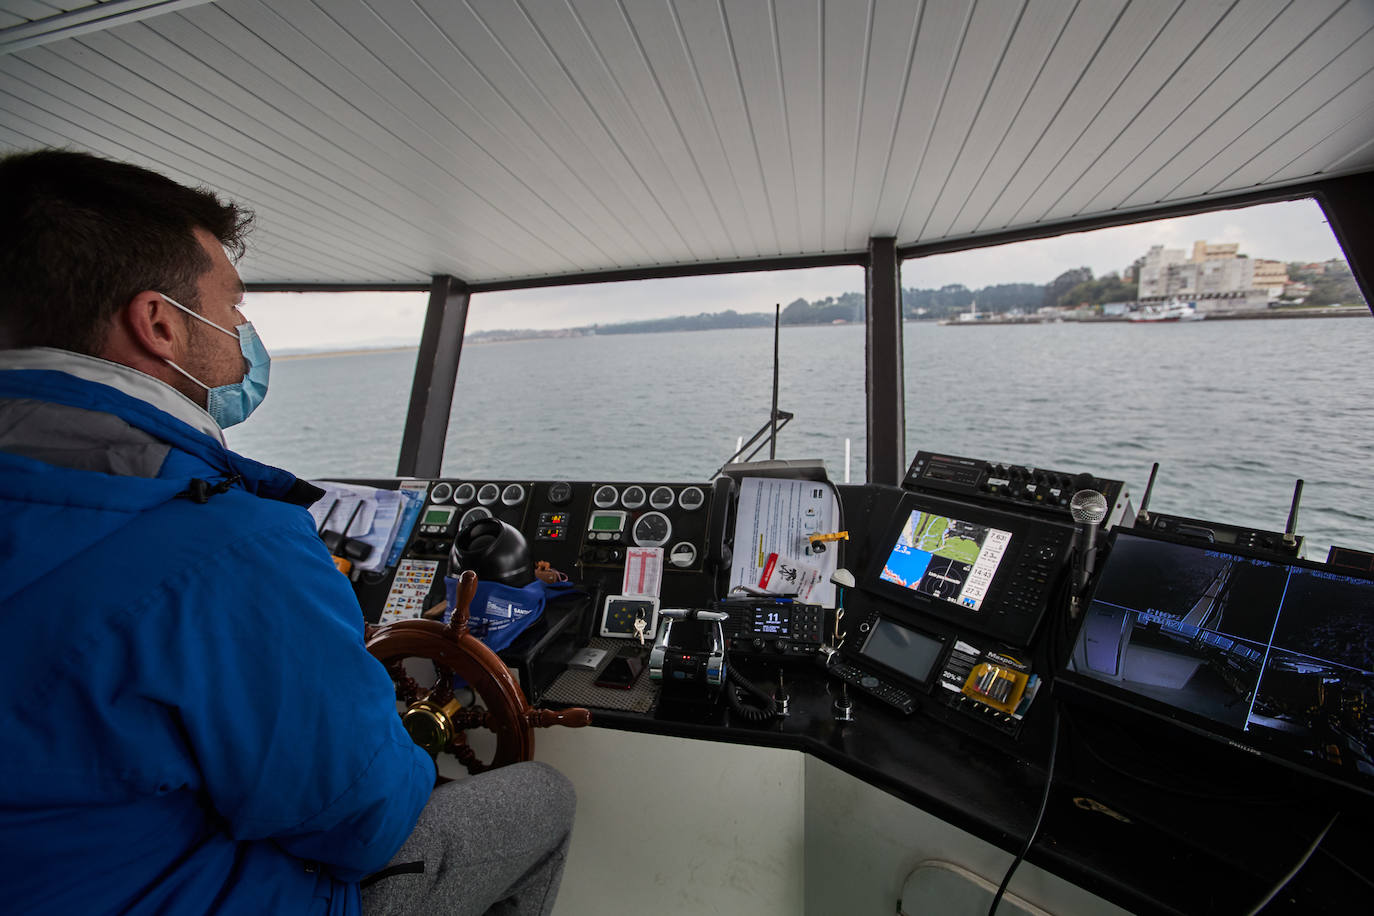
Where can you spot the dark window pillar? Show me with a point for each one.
(1348, 203)
(436, 373)
(883, 365)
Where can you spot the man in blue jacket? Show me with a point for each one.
(189, 721)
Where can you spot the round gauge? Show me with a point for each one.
(560, 492)
(513, 495)
(441, 492)
(605, 497)
(683, 554)
(475, 514)
(465, 494)
(691, 499)
(632, 498)
(661, 498)
(652, 529)
(489, 494)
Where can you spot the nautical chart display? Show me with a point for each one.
(1278, 656)
(946, 558)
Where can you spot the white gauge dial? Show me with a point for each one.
(465, 494)
(441, 492)
(489, 494)
(691, 499)
(605, 497)
(632, 498)
(652, 529)
(475, 514)
(513, 495)
(662, 498)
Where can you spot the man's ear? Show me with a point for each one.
(151, 326)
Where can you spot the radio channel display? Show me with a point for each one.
(772, 621)
(1280, 655)
(946, 558)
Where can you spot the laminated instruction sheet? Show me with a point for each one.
(773, 552)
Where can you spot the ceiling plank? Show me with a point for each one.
(54, 25)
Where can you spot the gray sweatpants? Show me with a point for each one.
(492, 843)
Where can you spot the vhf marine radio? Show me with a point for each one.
(772, 627)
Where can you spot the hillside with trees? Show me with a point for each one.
(1331, 283)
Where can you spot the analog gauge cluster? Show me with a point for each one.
(670, 516)
(572, 524)
(452, 505)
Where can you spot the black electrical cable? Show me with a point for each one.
(1283, 882)
(738, 683)
(1040, 815)
(1343, 864)
(839, 510)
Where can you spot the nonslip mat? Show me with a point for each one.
(577, 686)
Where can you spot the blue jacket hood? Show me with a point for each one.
(39, 496)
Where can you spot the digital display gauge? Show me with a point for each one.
(438, 515)
(946, 558)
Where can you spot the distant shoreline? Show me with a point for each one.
(1268, 315)
(355, 351)
(1319, 311)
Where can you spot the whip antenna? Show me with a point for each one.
(773, 417)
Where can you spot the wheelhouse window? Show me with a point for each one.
(659, 379)
(342, 366)
(1231, 347)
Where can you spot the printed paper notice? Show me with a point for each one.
(773, 528)
(643, 571)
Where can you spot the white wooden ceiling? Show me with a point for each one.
(387, 140)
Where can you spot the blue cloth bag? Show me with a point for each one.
(499, 613)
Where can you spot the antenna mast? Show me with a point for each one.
(773, 417)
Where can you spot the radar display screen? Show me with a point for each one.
(1275, 655)
(946, 558)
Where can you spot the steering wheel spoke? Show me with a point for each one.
(435, 719)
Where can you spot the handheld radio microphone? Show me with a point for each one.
(1088, 508)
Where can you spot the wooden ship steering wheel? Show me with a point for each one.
(436, 719)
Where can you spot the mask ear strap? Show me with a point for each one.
(187, 374)
(199, 316)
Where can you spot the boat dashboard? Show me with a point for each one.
(966, 638)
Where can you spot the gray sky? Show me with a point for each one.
(1294, 231)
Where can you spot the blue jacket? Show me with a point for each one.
(189, 722)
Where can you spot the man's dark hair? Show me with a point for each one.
(81, 235)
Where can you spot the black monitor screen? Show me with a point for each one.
(906, 651)
(1276, 655)
(946, 558)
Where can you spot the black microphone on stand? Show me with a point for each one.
(1088, 508)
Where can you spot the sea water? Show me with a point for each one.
(1234, 411)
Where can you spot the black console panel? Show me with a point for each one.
(580, 528)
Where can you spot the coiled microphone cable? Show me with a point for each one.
(740, 687)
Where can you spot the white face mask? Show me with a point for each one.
(229, 405)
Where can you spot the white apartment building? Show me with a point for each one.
(1216, 277)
